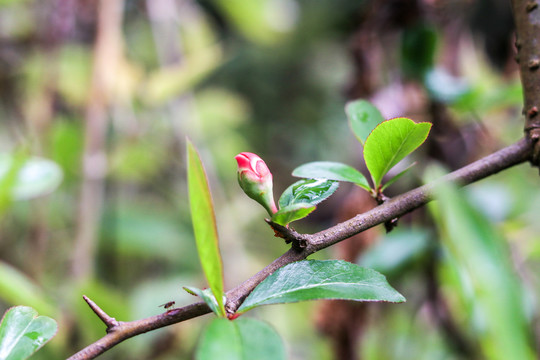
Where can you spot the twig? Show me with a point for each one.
(109, 321)
(396, 207)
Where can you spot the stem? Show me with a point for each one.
(106, 56)
(527, 19)
(398, 206)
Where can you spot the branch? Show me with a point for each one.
(527, 19)
(396, 207)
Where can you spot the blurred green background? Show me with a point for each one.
(110, 89)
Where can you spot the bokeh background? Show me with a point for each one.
(110, 89)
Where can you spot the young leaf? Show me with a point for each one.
(390, 142)
(208, 297)
(23, 332)
(308, 191)
(204, 224)
(316, 279)
(397, 176)
(299, 199)
(331, 171)
(291, 213)
(363, 118)
(241, 339)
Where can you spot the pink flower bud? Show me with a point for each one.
(255, 179)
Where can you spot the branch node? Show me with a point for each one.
(532, 112)
(299, 241)
(107, 320)
(534, 64)
(531, 5)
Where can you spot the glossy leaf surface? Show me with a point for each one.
(292, 213)
(331, 171)
(204, 224)
(363, 118)
(390, 142)
(23, 332)
(308, 191)
(316, 279)
(241, 339)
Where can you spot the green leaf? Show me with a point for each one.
(241, 339)
(299, 199)
(291, 213)
(17, 288)
(397, 251)
(316, 279)
(363, 118)
(207, 296)
(398, 176)
(308, 191)
(204, 224)
(331, 171)
(390, 142)
(418, 47)
(35, 176)
(486, 278)
(23, 332)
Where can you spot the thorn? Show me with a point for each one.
(107, 320)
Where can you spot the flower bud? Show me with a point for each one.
(255, 179)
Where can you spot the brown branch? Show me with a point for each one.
(109, 321)
(398, 206)
(527, 19)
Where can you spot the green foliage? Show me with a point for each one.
(390, 142)
(23, 332)
(293, 212)
(397, 176)
(208, 297)
(332, 171)
(316, 279)
(35, 176)
(310, 191)
(17, 288)
(363, 118)
(397, 251)
(299, 199)
(241, 339)
(256, 20)
(485, 278)
(418, 47)
(385, 144)
(204, 225)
